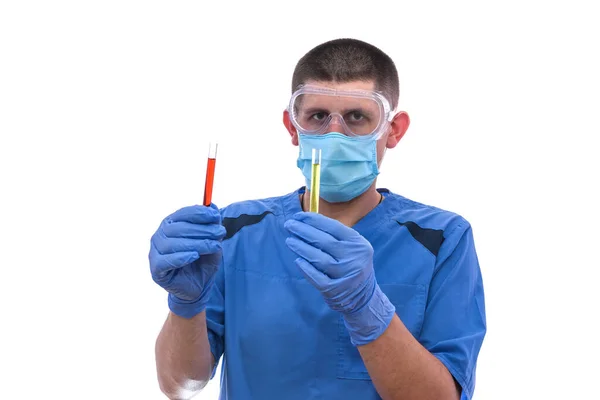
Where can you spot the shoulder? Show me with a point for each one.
(238, 215)
(437, 229)
(426, 216)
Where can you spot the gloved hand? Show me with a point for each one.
(185, 253)
(338, 261)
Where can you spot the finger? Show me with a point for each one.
(313, 275)
(161, 264)
(316, 257)
(212, 261)
(196, 215)
(313, 236)
(166, 245)
(193, 231)
(333, 227)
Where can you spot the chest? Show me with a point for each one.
(276, 316)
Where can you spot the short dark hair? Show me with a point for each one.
(345, 60)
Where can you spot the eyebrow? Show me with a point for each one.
(312, 110)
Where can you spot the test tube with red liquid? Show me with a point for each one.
(210, 174)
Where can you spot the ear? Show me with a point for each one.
(398, 128)
(290, 127)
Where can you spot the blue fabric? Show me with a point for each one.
(338, 261)
(348, 164)
(276, 335)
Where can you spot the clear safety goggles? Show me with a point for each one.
(316, 110)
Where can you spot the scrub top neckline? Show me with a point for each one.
(291, 206)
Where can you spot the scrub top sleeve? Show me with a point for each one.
(455, 322)
(215, 318)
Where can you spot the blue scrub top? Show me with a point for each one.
(278, 338)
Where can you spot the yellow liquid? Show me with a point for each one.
(315, 183)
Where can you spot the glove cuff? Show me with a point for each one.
(187, 309)
(368, 323)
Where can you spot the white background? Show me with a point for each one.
(106, 110)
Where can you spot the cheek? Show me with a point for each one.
(380, 150)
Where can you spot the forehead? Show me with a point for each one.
(352, 85)
(341, 102)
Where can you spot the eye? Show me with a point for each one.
(319, 116)
(355, 116)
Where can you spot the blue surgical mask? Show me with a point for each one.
(348, 164)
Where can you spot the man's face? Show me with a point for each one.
(341, 106)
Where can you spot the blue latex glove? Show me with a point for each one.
(185, 253)
(338, 261)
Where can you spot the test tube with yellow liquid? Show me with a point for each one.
(315, 180)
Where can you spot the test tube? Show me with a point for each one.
(315, 180)
(210, 173)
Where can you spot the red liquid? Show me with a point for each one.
(210, 177)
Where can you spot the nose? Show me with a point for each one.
(336, 124)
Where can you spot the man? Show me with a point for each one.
(375, 296)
